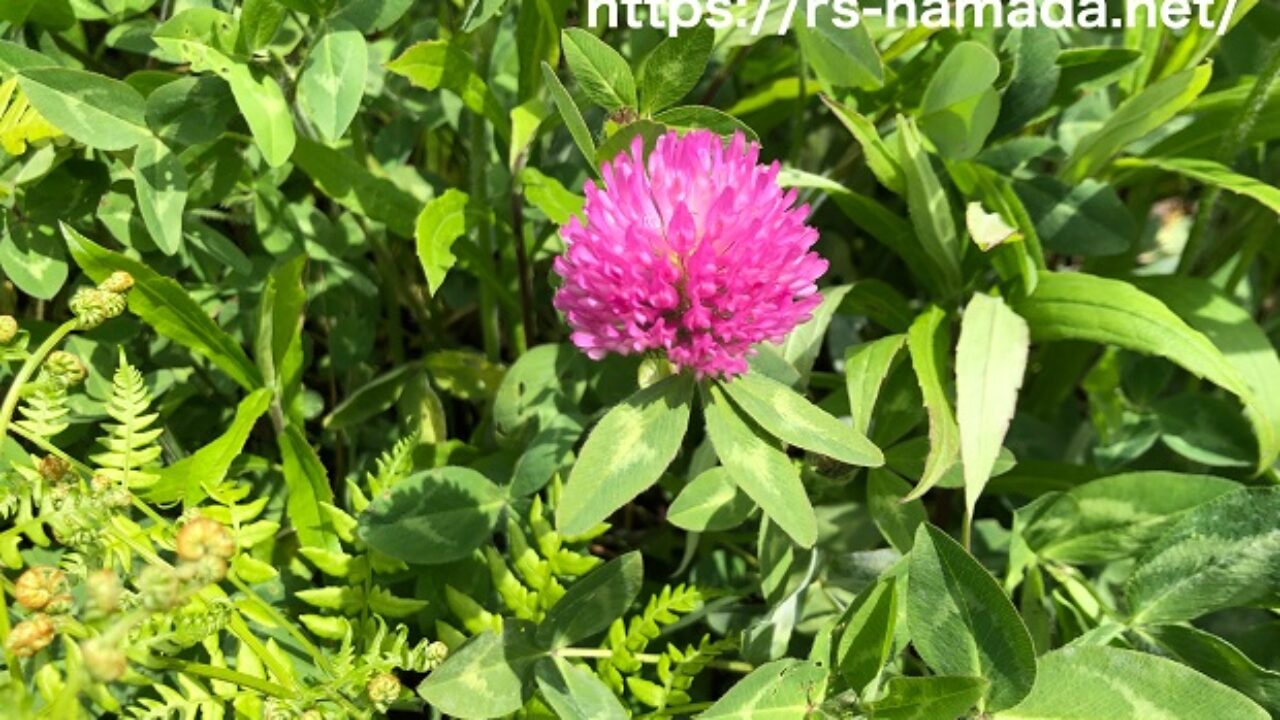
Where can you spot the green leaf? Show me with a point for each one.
(190, 110)
(991, 360)
(207, 38)
(866, 367)
(625, 453)
(31, 257)
(962, 623)
(571, 115)
(602, 73)
(802, 345)
(260, 20)
(1135, 117)
(1033, 80)
(673, 68)
(765, 473)
(593, 602)
(307, 483)
(1116, 517)
(1092, 682)
(161, 185)
(1086, 218)
(929, 343)
(575, 693)
(332, 80)
(448, 64)
(207, 467)
(1221, 661)
(548, 195)
(433, 517)
(960, 104)
(440, 224)
(1224, 553)
(710, 502)
(930, 209)
(490, 676)
(354, 187)
(96, 110)
(266, 110)
(896, 517)
(928, 698)
(781, 689)
(692, 117)
(788, 416)
(1214, 174)
(1075, 306)
(372, 398)
(840, 56)
(863, 636)
(882, 161)
(1246, 347)
(165, 306)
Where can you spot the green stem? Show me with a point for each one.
(27, 370)
(478, 150)
(217, 673)
(280, 619)
(737, 666)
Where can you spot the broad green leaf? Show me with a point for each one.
(433, 517)
(435, 64)
(896, 517)
(332, 80)
(191, 110)
(929, 343)
(575, 693)
(1224, 553)
(207, 467)
(1214, 174)
(763, 472)
(372, 16)
(161, 185)
(307, 483)
(440, 224)
(1034, 78)
(625, 453)
(840, 56)
(863, 636)
(355, 187)
(788, 416)
(882, 161)
(930, 208)
(1093, 682)
(1221, 661)
(31, 257)
(548, 195)
(206, 38)
(710, 502)
(1135, 117)
(260, 20)
(1246, 347)
(571, 115)
(960, 104)
(866, 367)
(98, 111)
(928, 698)
(783, 689)
(991, 360)
(673, 68)
(372, 398)
(1086, 218)
(593, 602)
(962, 623)
(602, 73)
(165, 306)
(265, 108)
(692, 117)
(490, 676)
(480, 12)
(1076, 306)
(1116, 517)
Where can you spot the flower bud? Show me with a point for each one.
(384, 689)
(105, 662)
(40, 586)
(437, 652)
(119, 283)
(94, 306)
(160, 588)
(54, 469)
(104, 590)
(31, 636)
(8, 329)
(204, 537)
(65, 368)
(206, 570)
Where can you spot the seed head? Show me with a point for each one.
(31, 636)
(40, 587)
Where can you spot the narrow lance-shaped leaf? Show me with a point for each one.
(625, 453)
(929, 342)
(571, 115)
(307, 484)
(187, 478)
(991, 359)
(447, 64)
(765, 473)
(865, 368)
(160, 182)
(603, 74)
(930, 209)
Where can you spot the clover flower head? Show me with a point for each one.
(695, 252)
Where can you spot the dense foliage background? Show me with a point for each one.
(337, 458)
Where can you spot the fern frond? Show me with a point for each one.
(20, 124)
(627, 641)
(44, 410)
(130, 442)
(392, 466)
(193, 701)
(677, 670)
